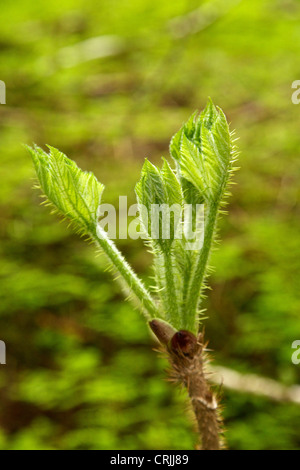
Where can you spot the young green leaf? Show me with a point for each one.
(75, 193)
(160, 199)
(204, 153)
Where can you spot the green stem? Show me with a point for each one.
(131, 279)
(171, 290)
(198, 274)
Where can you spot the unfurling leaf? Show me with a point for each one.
(204, 153)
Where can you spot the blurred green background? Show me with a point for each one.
(81, 372)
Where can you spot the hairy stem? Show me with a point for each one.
(198, 274)
(171, 289)
(128, 275)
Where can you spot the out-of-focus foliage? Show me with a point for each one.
(80, 372)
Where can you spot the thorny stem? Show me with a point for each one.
(187, 357)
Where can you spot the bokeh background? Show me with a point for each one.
(109, 82)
